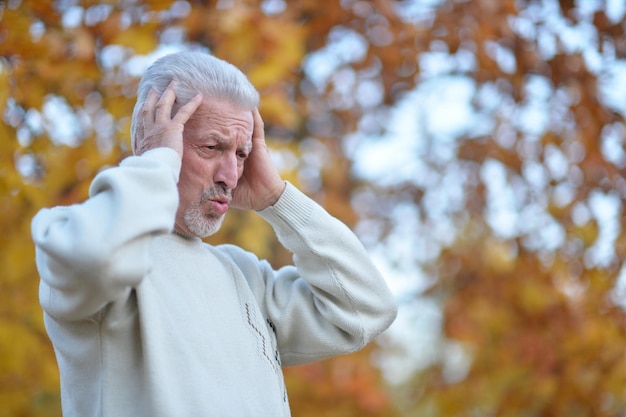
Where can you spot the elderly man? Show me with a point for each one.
(148, 320)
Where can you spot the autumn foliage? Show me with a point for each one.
(515, 220)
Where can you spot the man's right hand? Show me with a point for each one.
(157, 127)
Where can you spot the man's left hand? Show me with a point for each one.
(260, 186)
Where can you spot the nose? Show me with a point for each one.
(227, 171)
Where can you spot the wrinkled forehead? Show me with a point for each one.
(223, 110)
(222, 119)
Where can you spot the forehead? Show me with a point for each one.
(221, 118)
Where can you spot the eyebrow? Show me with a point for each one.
(227, 141)
(248, 147)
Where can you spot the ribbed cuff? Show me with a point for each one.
(293, 208)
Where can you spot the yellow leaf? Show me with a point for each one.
(141, 39)
(4, 88)
(276, 108)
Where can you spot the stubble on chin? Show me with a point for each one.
(199, 221)
(201, 224)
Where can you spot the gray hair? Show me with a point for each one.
(195, 72)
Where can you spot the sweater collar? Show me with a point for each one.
(185, 237)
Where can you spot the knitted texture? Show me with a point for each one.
(148, 323)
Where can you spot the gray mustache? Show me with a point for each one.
(217, 192)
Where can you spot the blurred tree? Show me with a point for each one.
(347, 386)
(515, 211)
(68, 73)
(511, 211)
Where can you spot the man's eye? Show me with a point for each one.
(210, 147)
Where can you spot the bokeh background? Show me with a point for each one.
(475, 146)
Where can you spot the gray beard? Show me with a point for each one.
(198, 224)
(198, 221)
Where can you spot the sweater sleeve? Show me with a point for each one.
(92, 253)
(333, 300)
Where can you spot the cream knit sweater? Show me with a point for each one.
(148, 323)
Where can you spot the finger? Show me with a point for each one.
(185, 112)
(139, 132)
(163, 112)
(147, 109)
(259, 127)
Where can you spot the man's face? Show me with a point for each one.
(216, 142)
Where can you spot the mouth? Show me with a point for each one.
(218, 199)
(220, 205)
